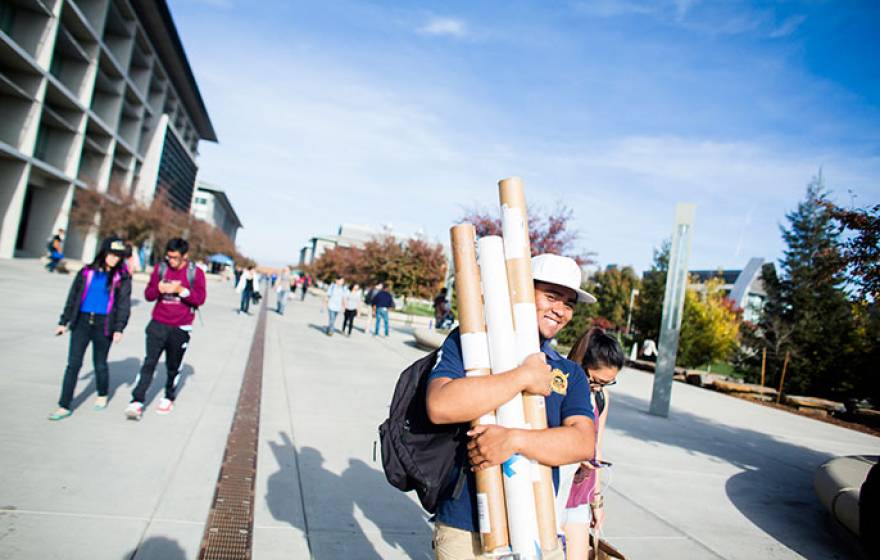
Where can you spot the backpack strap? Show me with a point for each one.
(459, 484)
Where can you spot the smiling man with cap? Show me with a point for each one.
(454, 398)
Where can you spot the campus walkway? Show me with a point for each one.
(722, 478)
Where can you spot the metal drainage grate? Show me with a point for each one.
(229, 530)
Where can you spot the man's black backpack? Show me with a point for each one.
(417, 454)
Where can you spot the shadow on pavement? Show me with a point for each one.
(122, 372)
(381, 503)
(157, 548)
(333, 497)
(775, 489)
(158, 384)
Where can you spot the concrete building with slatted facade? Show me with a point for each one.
(93, 94)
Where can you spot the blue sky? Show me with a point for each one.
(406, 113)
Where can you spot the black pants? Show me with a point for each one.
(161, 338)
(88, 328)
(246, 295)
(348, 319)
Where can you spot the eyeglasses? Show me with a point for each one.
(595, 384)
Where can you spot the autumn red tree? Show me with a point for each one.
(118, 213)
(548, 232)
(414, 268)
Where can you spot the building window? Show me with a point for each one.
(177, 173)
(201, 201)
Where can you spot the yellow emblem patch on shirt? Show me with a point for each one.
(559, 383)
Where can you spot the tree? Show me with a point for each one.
(861, 251)
(548, 233)
(807, 312)
(124, 215)
(612, 288)
(649, 305)
(414, 268)
(709, 327)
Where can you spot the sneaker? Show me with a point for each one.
(134, 411)
(100, 403)
(60, 414)
(165, 406)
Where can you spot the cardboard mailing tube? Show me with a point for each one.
(475, 354)
(517, 253)
(517, 471)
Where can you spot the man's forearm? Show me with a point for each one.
(467, 398)
(562, 445)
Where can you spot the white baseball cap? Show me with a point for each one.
(562, 271)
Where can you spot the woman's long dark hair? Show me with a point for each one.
(596, 348)
(100, 264)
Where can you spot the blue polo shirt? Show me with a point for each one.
(462, 512)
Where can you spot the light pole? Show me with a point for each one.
(673, 306)
(632, 296)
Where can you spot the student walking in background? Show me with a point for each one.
(381, 302)
(333, 303)
(601, 357)
(248, 285)
(306, 283)
(97, 310)
(282, 291)
(178, 287)
(351, 301)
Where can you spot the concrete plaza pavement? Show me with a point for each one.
(721, 478)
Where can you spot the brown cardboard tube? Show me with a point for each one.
(515, 224)
(490, 487)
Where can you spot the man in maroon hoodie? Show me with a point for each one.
(178, 288)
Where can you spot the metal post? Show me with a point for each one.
(632, 296)
(673, 305)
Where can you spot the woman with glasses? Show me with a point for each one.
(601, 356)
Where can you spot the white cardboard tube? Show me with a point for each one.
(518, 489)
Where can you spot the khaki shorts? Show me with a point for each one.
(456, 544)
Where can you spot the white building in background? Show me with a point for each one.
(210, 204)
(744, 287)
(93, 94)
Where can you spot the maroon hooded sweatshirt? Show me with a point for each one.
(172, 309)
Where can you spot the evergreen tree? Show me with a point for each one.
(807, 312)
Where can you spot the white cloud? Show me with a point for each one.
(788, 26)
(444, 26)
(310, 141)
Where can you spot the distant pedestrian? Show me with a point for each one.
(237, 272)
(333, 303)
(55, 247)
(306, 283)
(381, 302)
(179, 288)
(351, 301)
(282, 291)
(248, 285)
(97, 310)
(443, 317)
